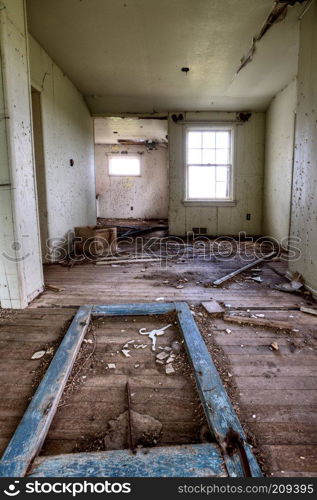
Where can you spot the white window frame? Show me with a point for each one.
(124, 157)
(212, 127)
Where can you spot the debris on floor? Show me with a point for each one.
(38, 355)
(243, 268)
(153, 334)
(247, 320)
(274, 346)
(53, 288)
(295, 284)
(169, 369)
(213, 308)
(308, 310)
(93, 240)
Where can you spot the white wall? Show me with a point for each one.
(304, 202)
(248, 180)
(67, 134)
(279, 147)
(147, 194)
(20, 262)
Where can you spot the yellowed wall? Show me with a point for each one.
(304, 202)
(67, 134)
(279, 147)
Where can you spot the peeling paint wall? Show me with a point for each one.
(21, 275)
(304, 202)
(279, 148)
(248, 180)
(67, 135)
(147, 194)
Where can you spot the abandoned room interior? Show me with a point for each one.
(158, 238)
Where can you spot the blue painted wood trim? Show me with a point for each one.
(198, 460)
(218, 409)
(32, 430)
(133, 309)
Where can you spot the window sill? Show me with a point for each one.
(206, 203)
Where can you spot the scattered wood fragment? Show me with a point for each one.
(54, 288)
(244, 268)
(245, 320)
(213, 308)
(308, 310)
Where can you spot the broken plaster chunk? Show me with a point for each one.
(169, 369)
(159, 362)
(228, 330)
(260, 315)
(38, 355)
(126, 353)
(179, 287)
(258, 279)
(127, 344)
(176, 346)
(111, 366)
(170, 359)
(162, 355)
(136, 365)
(274, 346)
(159, 299)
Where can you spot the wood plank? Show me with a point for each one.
(200, 460)
(35, 423)
(243, 320)
(218, 409)
(133, 309)
(243, 268)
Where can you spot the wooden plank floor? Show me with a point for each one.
(274, 392)
(87, 284)
(279, 388)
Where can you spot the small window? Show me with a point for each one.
(124, 166)
(209, 164)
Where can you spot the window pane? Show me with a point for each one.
(223, 140)
(222, 156)
(222, 174)
(124, 166)
(194, 156)
(221, 190)
(201, 182)
(208, 156)
(209, 140)
(194, 139)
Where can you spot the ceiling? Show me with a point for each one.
(111, 130)
(125, 56)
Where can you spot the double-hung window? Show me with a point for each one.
(209, 163)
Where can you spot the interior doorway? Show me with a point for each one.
(132, 178)
(40, 169)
